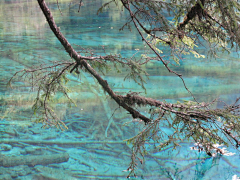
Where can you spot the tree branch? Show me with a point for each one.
(126, 4)
(81, 59)
(194, 11)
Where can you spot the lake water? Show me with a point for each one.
(93, 146)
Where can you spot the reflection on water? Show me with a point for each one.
(92, 147)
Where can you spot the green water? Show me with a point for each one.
(26, 41)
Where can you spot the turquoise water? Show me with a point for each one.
(94, 140)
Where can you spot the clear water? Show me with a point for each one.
(95, 143)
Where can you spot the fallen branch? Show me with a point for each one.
(75, 143)
(9, 161)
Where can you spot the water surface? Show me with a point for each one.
(94, 141)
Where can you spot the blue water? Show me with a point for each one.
(94, 140)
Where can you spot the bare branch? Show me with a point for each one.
(127, 6)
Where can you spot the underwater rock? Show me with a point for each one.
(6, 147)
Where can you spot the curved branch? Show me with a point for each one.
(149, 31)
(194, 11)
(82, 60)
(127, 6)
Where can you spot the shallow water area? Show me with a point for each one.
(93, 146)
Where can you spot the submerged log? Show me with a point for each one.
(52, 142)
(8, 161)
